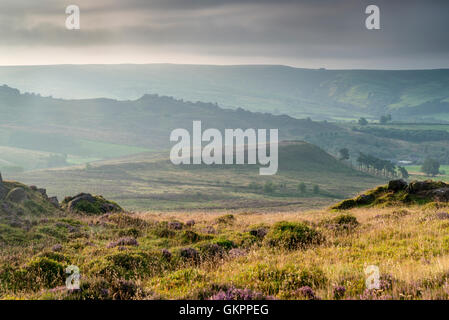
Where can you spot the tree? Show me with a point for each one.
(363, 122)
(316, 189)
(344, 154)
(404, 172)
(269, 187)
(430, 167)
(385, 119)
(302, 187)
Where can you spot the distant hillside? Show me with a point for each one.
(150, 181)
(47, 132)
(321, 94)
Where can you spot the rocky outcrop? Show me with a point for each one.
(16, 195)
(397, 185)
(399, 192)
(87, 203)
(420, 187)
(54, 201)
(3, 191)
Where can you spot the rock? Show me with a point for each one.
(78, 198)
(54, 201)
(3, 191)
(397, 185)
(43, 192)
(440, 195)
(99, 204)
(416, 187)
(16, 195)
(34, 188)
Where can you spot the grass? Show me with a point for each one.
(409, 245)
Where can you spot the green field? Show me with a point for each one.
(415, 173)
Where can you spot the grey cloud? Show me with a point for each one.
(308, 29)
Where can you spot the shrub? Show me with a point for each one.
(129, 265)
(129, 232)
(284, 280)
(211, 250)
(342, 222)
(45, 272)
(292, 235)
(175, 225)
(269, 187)
(123, 220)
(125, 241)
(226, 219)
(189, 236)
(259, 233)
(307, 293)
(162, 231)
(189, 254)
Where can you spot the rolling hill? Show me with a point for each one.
(321, 94)
(151, 181)
(57, 132)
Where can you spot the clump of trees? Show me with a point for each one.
(302, 187)
(376, 166)
(430, 167)
(363, 122)
(344, 154)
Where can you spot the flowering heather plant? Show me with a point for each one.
(190, 223)
(308, 293)
(126, 241)
(234, 293)
(339, 292)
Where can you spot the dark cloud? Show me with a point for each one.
(414, 33)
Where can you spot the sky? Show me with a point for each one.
(302, 33)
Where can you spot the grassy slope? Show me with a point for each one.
(152, 182)
(409, 245)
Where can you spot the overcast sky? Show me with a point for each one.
(302, 33)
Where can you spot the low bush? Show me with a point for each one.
(292, 235)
